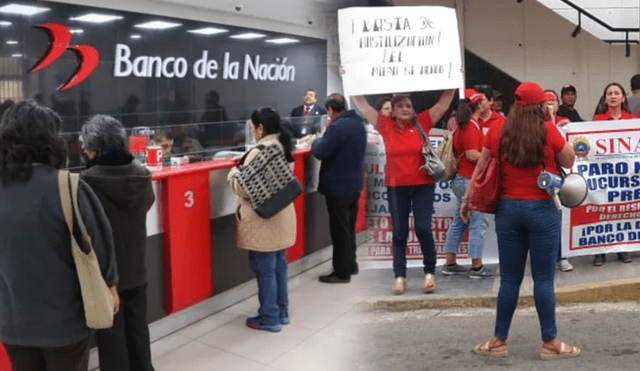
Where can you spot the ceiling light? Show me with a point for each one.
(22, 9)
(12, 42)
(96, 18)
(248, 35)
(135, 36)
(5, 23)
(16, 55)
(157, 25)
(284, 40)
(76, 30)
(208, 31)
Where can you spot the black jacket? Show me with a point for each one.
(124, 189)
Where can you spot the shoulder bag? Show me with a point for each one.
(269, 181)
(446, 155)
(486, 186)
(97, 299)
(432, 164)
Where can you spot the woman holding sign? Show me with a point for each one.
(408, 188)
(527, 221)
(615, 108)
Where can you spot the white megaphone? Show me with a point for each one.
(569, 191)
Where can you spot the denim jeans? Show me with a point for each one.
(270, 269)
(403, 200)
(527, 227)
(477, 224)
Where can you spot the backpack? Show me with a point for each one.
(448, 158)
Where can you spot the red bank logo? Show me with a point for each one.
(60, 37)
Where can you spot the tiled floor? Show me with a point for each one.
(322, 334)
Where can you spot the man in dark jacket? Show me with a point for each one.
(341, 150)
(124, 188)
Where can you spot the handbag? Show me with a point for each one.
(486, 186)
(96, 297)
(432, 164)
(448, 158)
(268, 181)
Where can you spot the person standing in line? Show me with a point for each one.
(568, 96)
(488, 116)
(409, 189)
(551, 114)
(527, 221)
(42, 320)
(634, 100)
(615, 108)
(341, 150)
(267, 240)
(467, 144)
(124, 189)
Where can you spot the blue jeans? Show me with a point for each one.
(527, 227)
(270, 269)
(403, 200)
(477, 224)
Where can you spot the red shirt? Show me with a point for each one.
(522, 182)
(404, 151)
(470, 137)
(605, 116)
(495, 118)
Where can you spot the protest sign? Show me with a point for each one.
(399, 49)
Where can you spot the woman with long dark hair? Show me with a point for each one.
(527, 221)
(467, 144)
(409, 189)
(266, 240)
(42, 321)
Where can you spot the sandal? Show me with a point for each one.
(561, 351)
(498, 349)
(400, 285)
(429, 285)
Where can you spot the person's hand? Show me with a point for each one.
(465, 211)
(116, 299)
(307, 139)
(563, 122)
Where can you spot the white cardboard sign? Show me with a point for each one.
(399, 49)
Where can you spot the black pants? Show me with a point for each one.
(126, 346)
(74, 357)
(342, 226)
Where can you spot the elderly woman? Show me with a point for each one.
(527, 222)
(123, 186)
(266, 240)
(42, 322)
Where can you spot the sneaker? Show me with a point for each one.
(599, 259)
(624, 257)
(564, 265)
(256, 324)
(454, 269)
(332, 278)
(484, 272)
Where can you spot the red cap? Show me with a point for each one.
(477, 97)
(549, 96)
(529, 93)
(468, 93)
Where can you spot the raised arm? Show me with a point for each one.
(442, 105)
(365, 108)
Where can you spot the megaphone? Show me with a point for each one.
(569, 191)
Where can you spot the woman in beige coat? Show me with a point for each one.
(266, 239)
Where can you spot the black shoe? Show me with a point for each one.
(354, 270)
(624, 257)
(332, 278)
(599, 259)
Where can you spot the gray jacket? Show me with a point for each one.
(40, 300)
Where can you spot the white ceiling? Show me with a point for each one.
(616, 13)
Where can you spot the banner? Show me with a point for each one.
(379, 246)
(399, 49)
(608, 156)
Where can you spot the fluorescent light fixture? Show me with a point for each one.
(284, 40)
(12, 42)
(157, 25)
(22, 9)
(248, 35)
(96, 18)
(5, 23)
(17, 55)
(135, 36)
(208, 31)
(76, 30)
